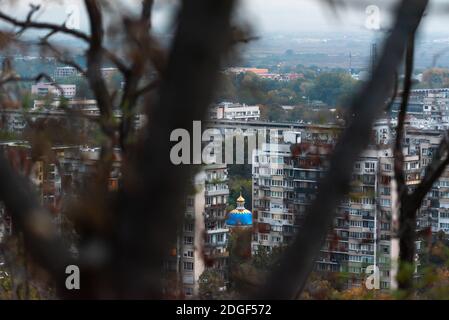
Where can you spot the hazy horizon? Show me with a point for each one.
(265, 16)
(301, 25)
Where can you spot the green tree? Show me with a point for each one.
(332, 87)
(211, 285)
(237, 185)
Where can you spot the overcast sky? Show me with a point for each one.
(266, 16)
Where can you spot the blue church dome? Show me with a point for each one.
(240, 216)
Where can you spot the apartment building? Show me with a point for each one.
(191, 243)
(17, 121)
(65, 72)
(202, 243)
(216, 203)
(235, 111)
(285, 183)
(429, 108)
(56, 177)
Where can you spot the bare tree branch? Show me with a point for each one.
(290, 276)
(147, 88)
(433, 172)
(44, 26)
(138, 32)
(94, 63)
(201, 39)
(54, 29)
(147, 8)
(407, 218)
(398, 152)
(410, 204)
(16, 78)
(61, 57)
(395, 93)
(115, 60)
(39, 231)
(140, 235)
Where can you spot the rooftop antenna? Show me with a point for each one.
(350, 62)
(373, 56)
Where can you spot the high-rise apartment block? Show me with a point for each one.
(285, 183)
(202, 243)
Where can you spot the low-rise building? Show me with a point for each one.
(235, 111)
(44, 89)
(64, 72)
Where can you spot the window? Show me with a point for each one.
(444, 215)
(385, 202)
(355, 258)
(444, 183)
(368, 259)
(354, 270)
(355, 212)
(188, 227)
(385, 191)
(369, 166)
(188, 253)
(368, 224)
(356, 223)
(276, 194)
(367, 200)
(188, 279)
(188, 291)
(188, 240)
(444, 225)
(188, 266)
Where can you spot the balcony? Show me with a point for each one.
(216, 244)
(215, 231)
(342, 250)
(217, 192)
(216, 205)
(216, 255)
(212, 219)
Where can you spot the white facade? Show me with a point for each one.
(44, 89)
(62, 72)
(235, 111)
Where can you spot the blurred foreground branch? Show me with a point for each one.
(290, 276)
